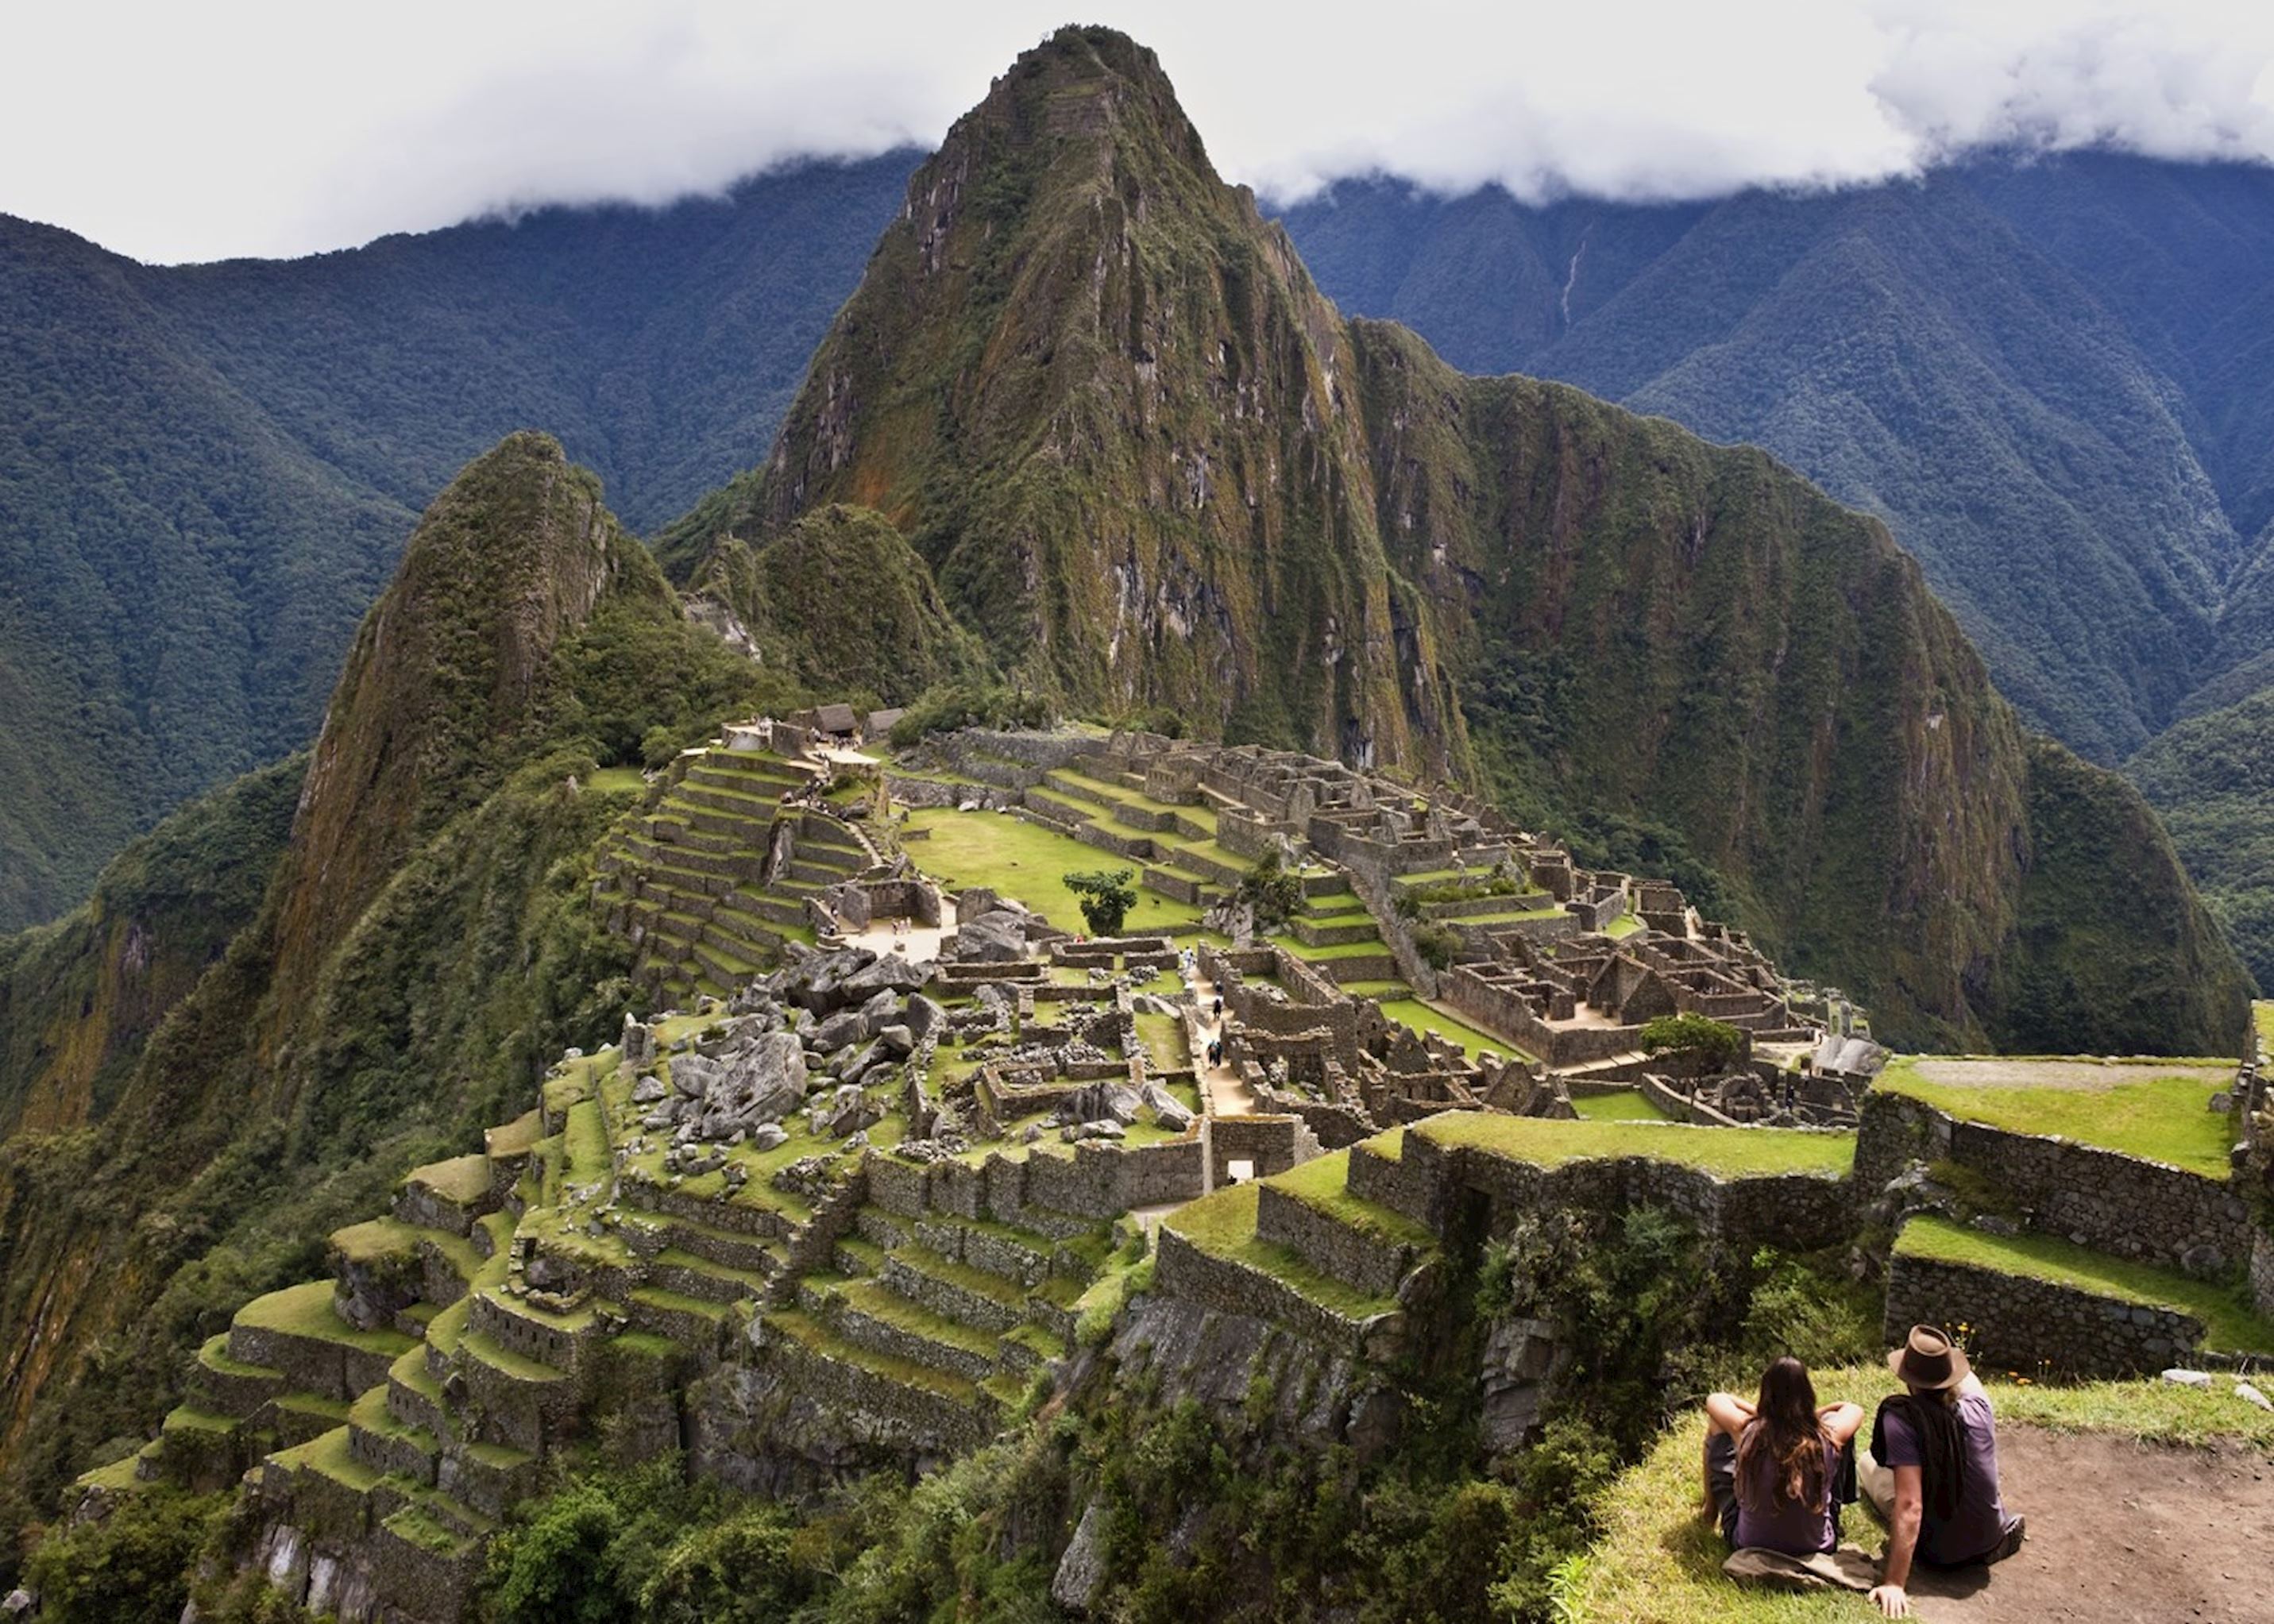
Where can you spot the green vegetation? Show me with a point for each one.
(1620, 1105)
(1729, 1152)
(2230, 1325)
(1273, 895)
(1014, 858)
(1714, 1044)
(969, 704)
(2160, 1116)
(1105, 896)
(1428, 1018)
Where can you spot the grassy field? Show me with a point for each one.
(1028, 862)
(1414, 1013)
(2160, 1117)
(2229, 1324)
(1655, 1563)
(1323, 1184)
(1730, 1152)
(1626, 1105)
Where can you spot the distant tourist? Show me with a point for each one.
(1932, 1471)
(1773, 1468)
(1219, 1011)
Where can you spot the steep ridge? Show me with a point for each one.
(426, 942)
(1153, 467)
(839, 599)
(1104, 402)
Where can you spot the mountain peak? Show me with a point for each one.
(1086, 81)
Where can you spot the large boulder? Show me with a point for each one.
(892, 974)
(759, 1084)
(999, 938)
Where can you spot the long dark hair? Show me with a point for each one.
(1942, 1448)
(1786, 1432)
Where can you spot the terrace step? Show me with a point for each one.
(870, 1315)
(954, 1290)
(690, 1275)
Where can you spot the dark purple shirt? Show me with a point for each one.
(1767, 1521)
(1981, 1524)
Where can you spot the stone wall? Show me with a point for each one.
(1361, 1261)
(2126, 1206)
(1272, 1143)
(1799, 1211)
(1183, 1271)
(2018, 1324)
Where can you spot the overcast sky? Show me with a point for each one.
(193, 131)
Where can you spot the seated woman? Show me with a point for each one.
(1772, 1467)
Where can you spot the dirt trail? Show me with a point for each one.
(2121, 1532)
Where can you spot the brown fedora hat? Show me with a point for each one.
(1929, 1359)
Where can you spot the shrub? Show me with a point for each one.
(1438, 944)
(969, 704)
(1273, 895)
(130, 1567)
(1716, 1043)
(1106, 897)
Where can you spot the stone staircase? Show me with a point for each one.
(714, 880)
(933, 1321)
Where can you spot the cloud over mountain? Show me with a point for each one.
(257, 128)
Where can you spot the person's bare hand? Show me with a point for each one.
(1892, 1601)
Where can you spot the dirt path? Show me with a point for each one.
(2121, 1532)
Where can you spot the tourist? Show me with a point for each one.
(1219, 1011)
(1932, 1471)
(1773, 1468)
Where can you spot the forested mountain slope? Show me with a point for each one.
(401, 966)
(206, 470)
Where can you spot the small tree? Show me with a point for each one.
(1106, 897)
(1273, 895)
(1716, 1043)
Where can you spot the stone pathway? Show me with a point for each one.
(1227, 1094)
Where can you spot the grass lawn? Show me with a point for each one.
(1027, 861)
(1625, 925)
(1414, 1013)
(306, 1309)
(2262, 1016)
(2160, 1117)
(1727, 1152)
(1342, 949)
(618, 780)
(1655, 1563)
(1626, 1105)
(1163, 1037)
(2229, 1324)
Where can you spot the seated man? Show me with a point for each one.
(1773, 1468)
(1932, 1471)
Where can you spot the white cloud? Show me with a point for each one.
(252, 126)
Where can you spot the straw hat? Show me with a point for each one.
(1929, 1359)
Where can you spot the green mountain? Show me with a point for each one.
(246, 1037)
(1154, 469)
(2043, 374)
(206, 470)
